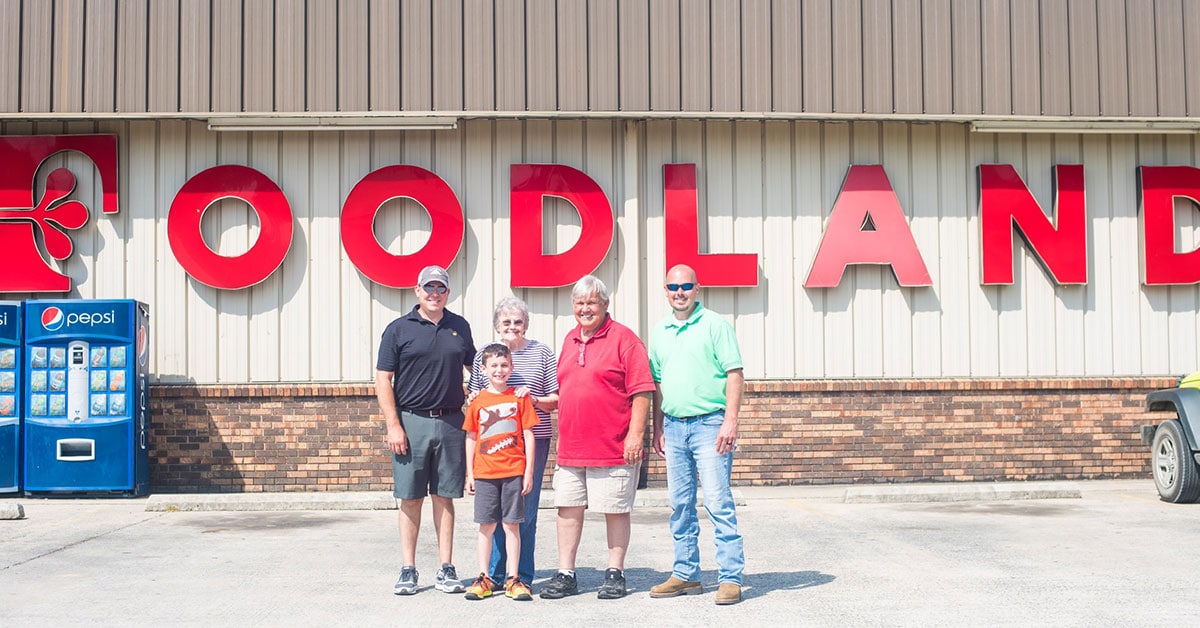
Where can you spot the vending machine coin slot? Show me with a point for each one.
(77, 381)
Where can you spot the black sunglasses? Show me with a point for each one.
(435, 287)
(676, 286)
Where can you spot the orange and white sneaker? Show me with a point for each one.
(517, 590)
(481, 588)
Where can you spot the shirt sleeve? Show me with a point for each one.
(529, 417)
(725, 344)
(477, 381)
(386, 361)
(637, 368)
(549, 371)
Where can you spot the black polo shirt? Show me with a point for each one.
(427, 360)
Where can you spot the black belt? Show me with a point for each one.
(431, 414)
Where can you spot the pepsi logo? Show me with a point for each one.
(53, 319)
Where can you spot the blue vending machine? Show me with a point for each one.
(86, 418)
(10, 397)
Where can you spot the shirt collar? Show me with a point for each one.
(675, 322)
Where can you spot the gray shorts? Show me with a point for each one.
(436, 462)
(499, 500)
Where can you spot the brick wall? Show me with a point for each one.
(324, 437)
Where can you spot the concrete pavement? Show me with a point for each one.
(1075, 554)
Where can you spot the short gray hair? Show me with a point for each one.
(588, 286)
(510, 304)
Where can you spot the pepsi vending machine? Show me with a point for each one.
(86, 416)
(10, 397)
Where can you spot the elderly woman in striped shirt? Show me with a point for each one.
(535, 373)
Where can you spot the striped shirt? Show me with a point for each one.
(534, 367)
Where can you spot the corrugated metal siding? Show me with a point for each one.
(764, 187)
(916, 57)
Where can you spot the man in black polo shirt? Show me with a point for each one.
(419, 384)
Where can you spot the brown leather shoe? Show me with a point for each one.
(727, 593)
(674, 586)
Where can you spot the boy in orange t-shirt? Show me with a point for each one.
(500, 448)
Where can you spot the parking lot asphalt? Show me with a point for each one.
(1064, 554)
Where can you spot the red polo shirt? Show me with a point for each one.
(594, 404)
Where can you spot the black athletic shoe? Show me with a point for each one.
(614, 585)
(560, 586)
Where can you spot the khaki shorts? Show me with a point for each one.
(602, 489)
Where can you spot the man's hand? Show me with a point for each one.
(397, 440)
(659, 443)
(634, 450)
(727, 436)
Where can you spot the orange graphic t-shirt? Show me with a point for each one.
(497, 421)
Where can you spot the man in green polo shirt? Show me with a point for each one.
(697, 369)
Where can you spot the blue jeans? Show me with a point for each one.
(691, 448)
(498, 564)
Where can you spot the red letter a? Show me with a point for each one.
(867, 198)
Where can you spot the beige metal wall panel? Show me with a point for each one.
(132, 34)
(967, 64)
(321, 54)
(1169, 58)
(227, 55)
(416, 56)
(353, 56)
(100, 50)
(938, 63)
(10, 55)
(1055, 48)
(1026, 58)
(818, 55)
(727, 60)
(695, 56)
(787, 61)
(996, 41)
(1191, 55)
(510, 55)
(908, 79)
(603, 56)
(164, 85)
(1113, 58)
(195, 62)
(258, 55)
(572, 56)
(448, 49)
(289, 51)
(1085, 64)
(877, 48)
(847, 43)
(633, 50)
(36, 54)
(756, 60)
(1143, 86)
(385, 68)
(479, 56)
(541, 55)
(756, 55)
(664, 67)
(764, 188)
(67, 55)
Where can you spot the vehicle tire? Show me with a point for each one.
(1175, 471)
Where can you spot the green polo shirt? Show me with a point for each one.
(689, 359)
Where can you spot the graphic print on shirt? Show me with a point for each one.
(498, 428)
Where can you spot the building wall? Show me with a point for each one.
(330, 437)
(908, 58)
(764, 188)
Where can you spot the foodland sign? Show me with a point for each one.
(867, 224)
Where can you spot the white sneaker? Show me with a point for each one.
(447, 580)
(407, 584)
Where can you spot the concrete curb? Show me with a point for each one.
(646, 498)
(926, 493)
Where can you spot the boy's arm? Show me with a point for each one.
(530, 452)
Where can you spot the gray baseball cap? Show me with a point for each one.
(433, 273)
